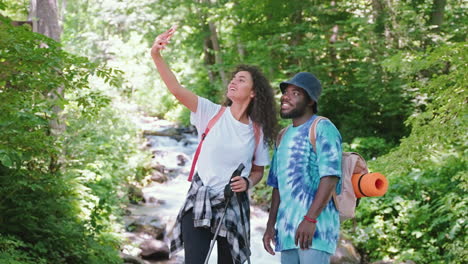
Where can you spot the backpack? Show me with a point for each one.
(356, 180)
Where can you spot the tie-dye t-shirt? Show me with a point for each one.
(296, 171)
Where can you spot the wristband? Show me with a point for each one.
(308, 219)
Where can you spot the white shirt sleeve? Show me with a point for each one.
(261, 154)
(206, 110)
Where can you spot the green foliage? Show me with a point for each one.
(60, 194)
(120, 34)
(103, 158)
(361, 96)
(421, 218)
(15, 9)
(11, 252)
(369, 148)
(50, 225)
(389, 75)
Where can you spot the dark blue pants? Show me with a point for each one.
(197, 243)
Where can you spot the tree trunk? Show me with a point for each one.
(240, 50)
(217, 53)
(390, 20)
(45, 12)
(32, 14)
(333, 57)
(209, 57)
(332, 51)
(437, 14)
(378, 16)
(211, 47)
(435, 20)
(297, 40)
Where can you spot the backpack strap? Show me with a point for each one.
(313, 131)
(211, 123)
(280, 135)
(313, 138)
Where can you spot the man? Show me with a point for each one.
(304, 222)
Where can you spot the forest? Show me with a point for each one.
(73, 73)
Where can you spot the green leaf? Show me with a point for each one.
(6, 160)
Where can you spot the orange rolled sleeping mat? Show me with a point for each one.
(369, 184)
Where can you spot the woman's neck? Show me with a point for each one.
(239, 112)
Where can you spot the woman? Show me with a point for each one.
(231, 141)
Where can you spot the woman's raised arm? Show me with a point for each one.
(185, 96)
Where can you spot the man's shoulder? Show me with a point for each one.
(326, 124)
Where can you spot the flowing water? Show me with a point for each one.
(171, 154)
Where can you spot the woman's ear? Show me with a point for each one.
(252, 94)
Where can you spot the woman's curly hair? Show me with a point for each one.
(262, 109)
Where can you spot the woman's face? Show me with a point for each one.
(240, 88)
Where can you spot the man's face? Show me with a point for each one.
(294, 102)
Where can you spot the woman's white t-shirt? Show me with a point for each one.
(228, 144)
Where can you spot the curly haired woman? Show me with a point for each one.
(240, 136)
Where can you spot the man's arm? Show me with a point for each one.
(305, 231)
(269, 235)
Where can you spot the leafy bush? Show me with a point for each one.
(61, 192)
(12, 252)
(368, 147)
(103, 157)
(422, 216)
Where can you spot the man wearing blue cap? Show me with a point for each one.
(304, 222)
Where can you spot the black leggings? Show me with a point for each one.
(197, 243)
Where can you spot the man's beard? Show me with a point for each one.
(298, 111)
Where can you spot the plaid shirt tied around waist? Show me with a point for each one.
(207, 210)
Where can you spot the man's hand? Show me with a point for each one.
(305, 234)
(268, 238)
